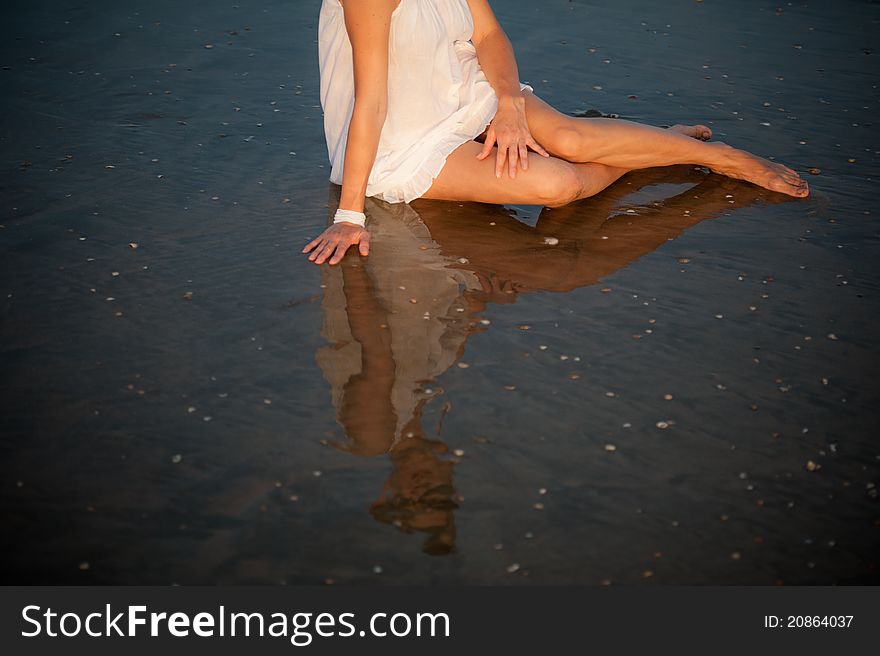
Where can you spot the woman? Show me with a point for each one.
(410, 88)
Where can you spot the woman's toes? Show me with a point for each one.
(789, 175)
(694, 131)
(799, 190)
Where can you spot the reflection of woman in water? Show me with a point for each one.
(410, 87)
(396, 321)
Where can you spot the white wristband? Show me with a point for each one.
(351, 217)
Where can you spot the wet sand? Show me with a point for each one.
(673, 382)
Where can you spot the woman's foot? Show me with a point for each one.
(764, 173)
(700, 132)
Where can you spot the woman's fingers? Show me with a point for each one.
(538, 148)
(524, 156)
(316, 249)
(515, 154)
(318, 252)
(512, 160)
(341, 247)
(512, 148)
(320, 255)
(317, 240)
(487, 145)
(500, 156)
(334, 246)
(364, 245)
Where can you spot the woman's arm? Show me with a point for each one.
(509, 127)
(368, 23)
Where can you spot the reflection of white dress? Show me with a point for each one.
(428, 336)
(438, 97)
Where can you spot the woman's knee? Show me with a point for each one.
(568, 142)
(561, 187)
(564, 136)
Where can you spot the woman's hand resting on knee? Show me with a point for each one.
(335, 241)
(510, 130)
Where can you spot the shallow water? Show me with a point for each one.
(680, 390)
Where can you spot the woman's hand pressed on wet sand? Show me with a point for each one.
(335, 240)
(510, 131)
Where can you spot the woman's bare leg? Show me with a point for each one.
(630, 145)
(548, 181)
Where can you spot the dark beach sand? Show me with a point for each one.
(680, 387)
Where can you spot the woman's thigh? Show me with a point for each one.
(560, 134)
(548, 180)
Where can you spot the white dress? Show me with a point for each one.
(438, 97)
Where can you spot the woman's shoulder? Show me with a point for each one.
(392, 5)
